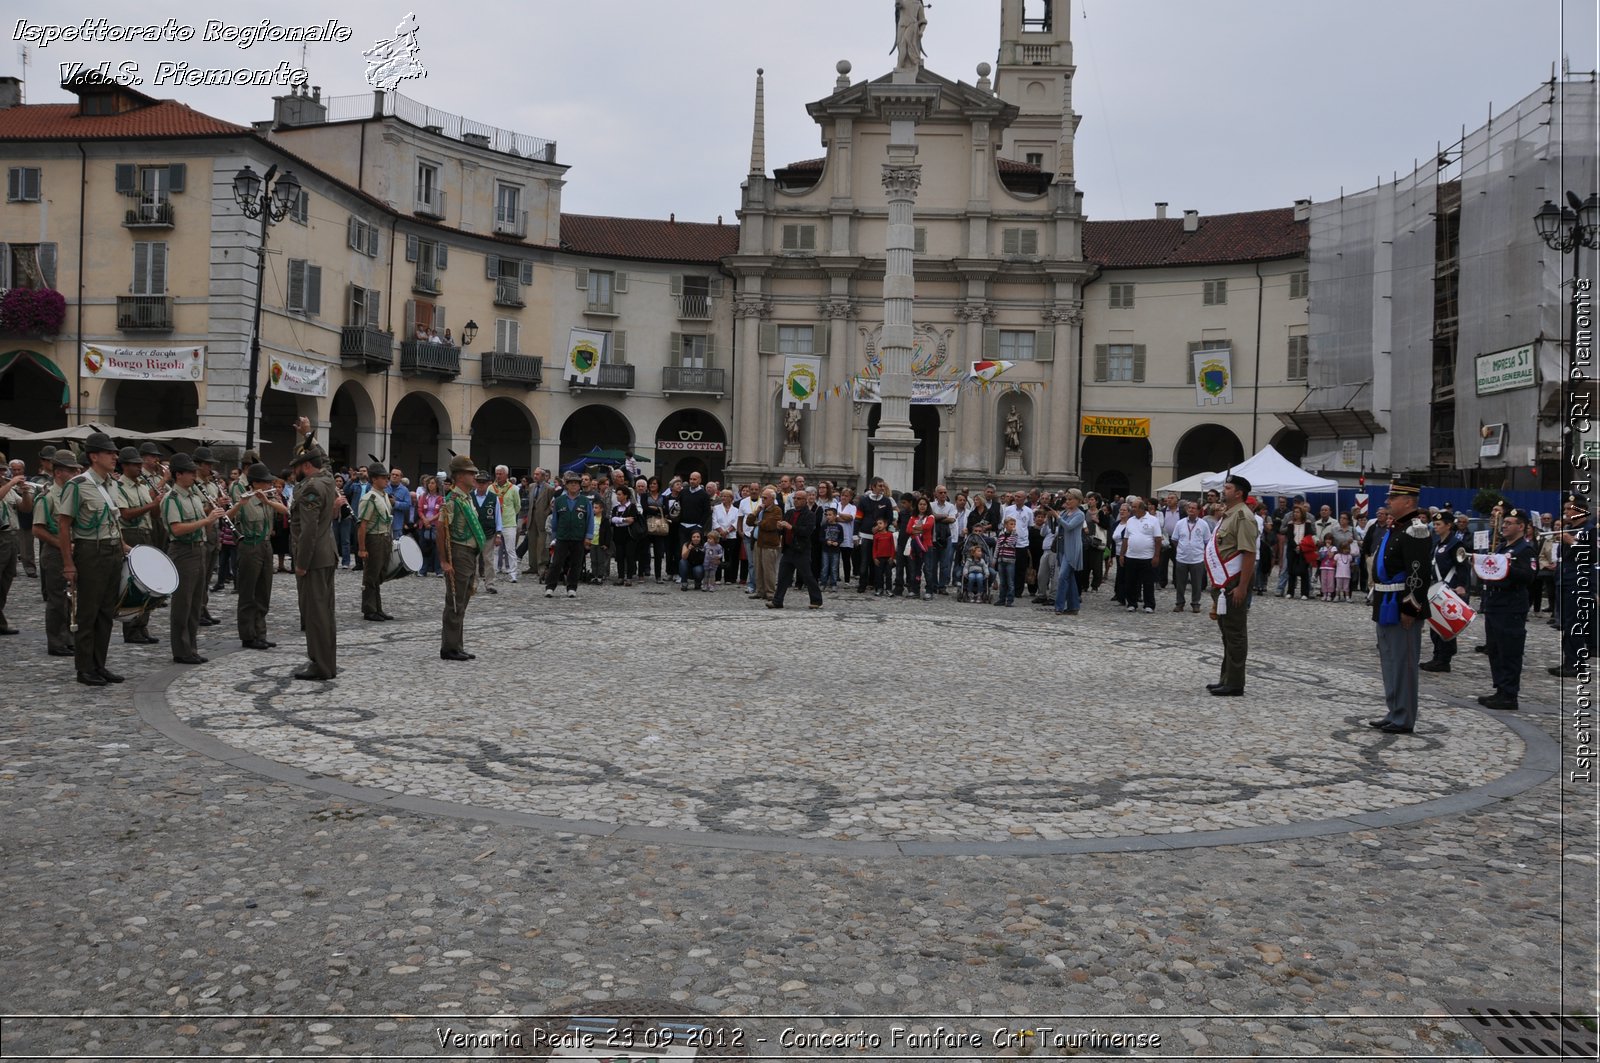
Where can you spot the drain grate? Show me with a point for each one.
(1511, 1030)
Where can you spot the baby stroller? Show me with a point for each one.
(980, 573)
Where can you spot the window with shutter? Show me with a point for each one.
(618, 348)
(413, 248)
(1138, 363)
(1216, 293)
(355, 307)
(619, 283)
(1122, 297)
(411, 319)
(819, 339)
(799, 237)
(178, 178)
(919, 240)
(1299, 355)
(297, 286)
(150, 268)
(767, 338)
(301, 210)
(526, 267)
(692, 352)
(675, 350)
(1299, 284)
(796, 339)
(1102, 362)
(1011, 242)
(352, 234)
(491, 267)
(1016, 346)
(313, 291)
(581, 277)
(374, 309)
(125, 179)
(505, 336)
(1044, 346)
(441, 256)
(23, 184)
(1118, 363)
(5, 266)
(372, 241)
(47, 264)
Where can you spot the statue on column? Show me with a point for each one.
(910, 19)
(1014, 431)
(791, 428)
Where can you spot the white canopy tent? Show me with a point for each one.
(1270, 473)
(1191, 485)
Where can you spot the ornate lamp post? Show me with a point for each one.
(469, 332)
(259, 197)
(1570, 229)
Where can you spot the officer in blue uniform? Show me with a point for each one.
(1505, 610)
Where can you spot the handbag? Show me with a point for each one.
(657, 525)
(637, 530)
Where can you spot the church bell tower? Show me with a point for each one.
(1034, 71)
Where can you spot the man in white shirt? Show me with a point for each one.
(942, 557)
(1189, 538)
(725, 521)
(749, 505)
(1017, 506)
(1141, 546)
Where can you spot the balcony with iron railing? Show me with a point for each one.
(596, 308)
(695, 306)
(156, 215)
(429, 203)
(610, 376)
(512, 370)
(511, 223)
(144, 313)
(692, 380)
(431, 359)
(508, 292)
(425, 282)
(364, 347)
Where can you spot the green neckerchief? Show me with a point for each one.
(473, 525)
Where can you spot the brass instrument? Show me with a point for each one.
(72, 606)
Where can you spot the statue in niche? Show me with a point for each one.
(1013, 432)
(791, 428)
(910, 19)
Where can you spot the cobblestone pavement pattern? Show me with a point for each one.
(764, 780)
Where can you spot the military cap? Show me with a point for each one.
(1404, 487)
(1575, 501)
(377, 471)
(1520, 514)
(259, 474)
(460, 464)
(98, 442)
(481, 476)
(571, 477)
(47, 452)
(67, 459)
(202, 455)
(150, 450)
(129, 456)
(1240, 482)
(310, 453)
(182, 462)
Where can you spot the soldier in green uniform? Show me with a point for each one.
(89, 536)
(57, 610)
(13, 493)
(210, 489)
(256, 509)
(316, 504)
(137, 506)
(1230, 565)
(187, 516)
(157, 480)
(1400, 605)
(375, 542)
(461, 542)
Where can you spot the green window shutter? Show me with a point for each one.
(297, 285)
(1044, 345)
(374, 304)
(491, 267)
(991, 343)
(1138, 363)
(767, 338)
(177, 177)
(412, 247)
(1101, 358)
(125, 178)
(47, 264)
(676, 353)
(158, 268)
(14, 184)
(313, 291)
(141, 267)
(438, 320)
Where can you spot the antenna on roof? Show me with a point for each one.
(26, 61)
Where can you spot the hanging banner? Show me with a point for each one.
(984, 372)
(802, 376)
(143, 363)
(1213, 377)
(299, 378)
(583, 355)
(1122, 427)
(923, 392)
(1505, 370)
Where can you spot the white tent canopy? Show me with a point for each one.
(1192, 485)
(1270, 473)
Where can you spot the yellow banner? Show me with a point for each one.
(1126, 427)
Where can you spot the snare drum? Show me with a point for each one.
(149, 578)
(406, 560)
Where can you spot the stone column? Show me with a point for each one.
(1059, 469)
(749, 454)
(894, 444)
(832, 454)
(971, 463)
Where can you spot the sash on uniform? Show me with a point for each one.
(1389, 603)
(1218, 570)
(473, 524)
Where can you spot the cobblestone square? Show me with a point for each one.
(884, 807)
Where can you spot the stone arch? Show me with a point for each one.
(151, 405)
(419, 430)
(696, 431)
(352, 420)
(1206, 448)
(594, 426)
(1117, 466)
(279, 411)
(31, 395)
(1292, 444)
(505, 432)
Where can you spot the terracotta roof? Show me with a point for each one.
(648, 238)
(805, 166)
(61, 121)
(1013, 166)
(1253, 236)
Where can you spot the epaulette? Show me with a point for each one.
(1418, 530)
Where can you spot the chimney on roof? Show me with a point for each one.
(1191, 221)
(672, 219)
(10, 92)
(1161, 212)
(298, 108)
(1302, 210)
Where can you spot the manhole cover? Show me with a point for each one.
(635, 1029)
(1517, 1031)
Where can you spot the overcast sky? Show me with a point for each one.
(1214, 105)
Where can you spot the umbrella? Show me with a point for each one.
(80, 433)
(204, 434)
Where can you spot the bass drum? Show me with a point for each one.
(406, 560)
(149, 578)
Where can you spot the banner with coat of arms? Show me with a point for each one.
(1213, 377)
(802, 377)
(143, 363)
(584, 348)
(299, 378)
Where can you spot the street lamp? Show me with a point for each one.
(274, 203)
(1569, 229)
(469, 332)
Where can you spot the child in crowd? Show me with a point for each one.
(1328, 557)
(714, 558)
(1005, 555)
(832, 543)
(975, 574)
(1345, 564)
(882, 558)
